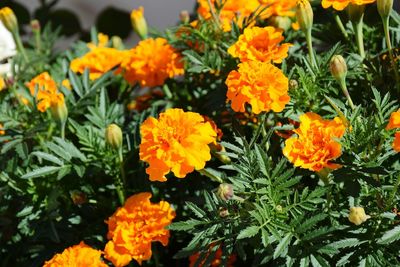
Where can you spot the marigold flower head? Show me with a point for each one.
(260, 44)
(316, 144)
(232, 10)
(260, 84)
(284, 8)
(342, 4)
(133, 227)
(46, 94)
(79, 255)
(216, 262)
(102, 41)
(99, 61)
(357, 215)
(177, 141)
(396, 142)
(151, 62)
(394, 121)
(2, 131)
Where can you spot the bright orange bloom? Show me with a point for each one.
(233, 10)
(2, 131)
(177, 141)
(396, 142)
(102, 41)
(284, 8)
(45, 90)
(342, 4)
(67, 84)
(216, 262)
(260, 44)
(260, 84)
(151, 62)
(394, 121)
(2, 84)
(99, 61)
(316, 144)
(79, 255)
(133, 227)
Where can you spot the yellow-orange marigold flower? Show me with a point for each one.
(177, 141)
(396, 142)
(79, 255)
(102, 41)
(216, 262)
(260, 44)
(2, 131)
(45, 89)
(151, 62)
(316, 144)
(342, 4)
(133, 227)
(2, 84)
(260, 84)
(233, 10)
(394, 121)
(284, 8)
(99, 61)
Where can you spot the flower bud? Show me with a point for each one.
(293, 84)
(117, 42)
(58, 108)
(355, 12)
(78, 197)
(184, 16)
(225, 191)
(384, 7)
(114, 136)
(139, 22)
(304, 15)
(338, 67)
(35, 25)
(280, 22)
(223, 212)
(357, 215)
(8, 18)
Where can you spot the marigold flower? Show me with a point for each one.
(2, 84)
(99, 61)
(357, 215)
(67, 84)
(396, 142)
(177, 141)
(260, 84)
(216, 262)
(394, 121)
(79, 255)
(316, 145)
(102, 41)
(284, 8)
(133, 227)
(2, 131)
(233, 10)
(342, 4)
(46, 94)
(151, 62)
(260, 44)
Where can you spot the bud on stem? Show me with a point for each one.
(114, 136)
(139, 23)
(356, 15)
(338, 68)
(305, 17)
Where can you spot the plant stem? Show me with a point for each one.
(394, 191)
(389, 47)
(120, 179)
(346, 93)
(358, 29)
(63, 123)
(214, 15)
(210, 175)
(20, 46)
(341, 26)
(310, 49)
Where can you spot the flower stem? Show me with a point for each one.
(20, 46)
(310, 49)
(63, 123)
(341, 26)
(358, 29)
(389, 47)
(120, 179)
(394, 191)
(214, 15)
(346, 93)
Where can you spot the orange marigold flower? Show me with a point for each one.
(233, 10)
(2, 131)
(67, 84)
(394, 121)
(45, 89)
(260, 44)
(342, 4)
(151, 62)
(316, 145)
(177, 141)
(102, 41)
(79, 255)
(99, 61)
(2, 84)
(216, 262)
(396, 142)
(284, 8)
(260, 84)
(133, 227)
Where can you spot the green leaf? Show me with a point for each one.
(41, 172)
(281, 249)
(248, 232)
(48, 157)
(390, 236)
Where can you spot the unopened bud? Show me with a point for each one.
(384, 7)
(117, 43)
(35, 25)
(9, 20)
(357, 215)
(223, 212)
(293, 84)
(78, 197)
(114, 136)
(225, 191)
(184, 16)
(355, 12)
(139, 23)
(338, 67)
(280, 22)
(304, 15)
(58, 108)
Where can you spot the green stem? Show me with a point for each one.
(120, 179)
(310, 48)
(389, 46)
(341, 26)
(358, 29)
(211, 176)
(63, 123)
(121, 165)
(20, 46)
(346, 93)
(38, 41)
(214, 15)
(394, 191)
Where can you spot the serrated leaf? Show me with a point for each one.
(41, 172)
(390, 236)
(281, 249)
(248, 232)
(48, 157)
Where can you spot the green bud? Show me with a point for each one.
(384, 8)
(355, 12)
(338, 67)
(114, 136)
(304, 15)
(9, 20)
(225, 191)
